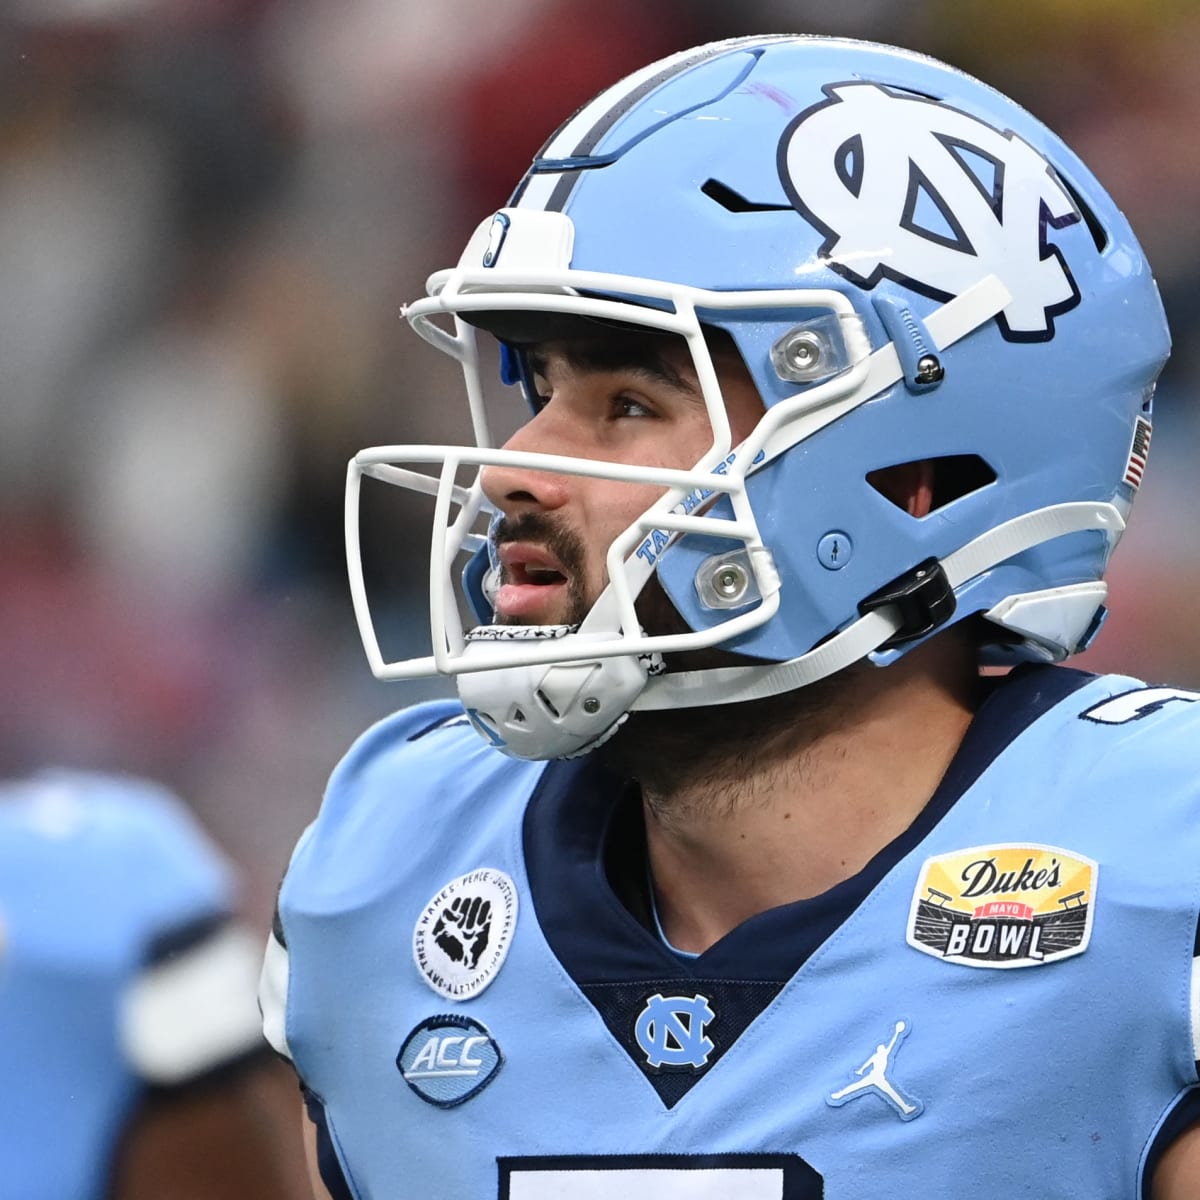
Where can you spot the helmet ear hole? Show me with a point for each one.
(953, 477)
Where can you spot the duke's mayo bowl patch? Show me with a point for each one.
(1007, 905)
(463, 936)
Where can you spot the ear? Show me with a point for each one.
(907, 485)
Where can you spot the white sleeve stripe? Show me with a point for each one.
(1196, 1009)
(272, 995)
(194, 1012)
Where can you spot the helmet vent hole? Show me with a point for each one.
(1098, 232)
(735, 202)
(954, 476)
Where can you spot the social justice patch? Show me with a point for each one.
(1004, 906)
(463, 936)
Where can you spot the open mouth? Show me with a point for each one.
(534, 585)
(535, 576)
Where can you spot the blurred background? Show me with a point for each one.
(211, 212)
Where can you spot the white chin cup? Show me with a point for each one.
(541, 712)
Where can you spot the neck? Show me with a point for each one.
(751, 806)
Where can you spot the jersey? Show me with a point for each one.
(1007, 993)
(119, 971)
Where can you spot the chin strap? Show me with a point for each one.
(541, 711)
(563, 709)
(690, 689)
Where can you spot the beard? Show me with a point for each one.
(711, 745)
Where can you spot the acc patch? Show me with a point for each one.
(1004, 906)
(448, 1059)
(463, 936)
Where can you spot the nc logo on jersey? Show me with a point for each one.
(449, 1059)
(670, 1031)
(1004, 906)
(463, 936)
(907, 188)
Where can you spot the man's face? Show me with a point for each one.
(622, 399)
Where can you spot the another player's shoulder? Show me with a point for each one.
(86, 834)
(112, 876)
(58, 804)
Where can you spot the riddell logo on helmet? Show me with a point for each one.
(972, 200)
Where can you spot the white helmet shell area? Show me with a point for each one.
(914, 269)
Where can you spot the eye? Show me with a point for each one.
(627, 406)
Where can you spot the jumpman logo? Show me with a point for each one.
(873, 1076)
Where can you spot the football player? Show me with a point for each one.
(130, 1044)
(768, 851)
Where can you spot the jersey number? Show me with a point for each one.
(660, 1177)
(1132, 706)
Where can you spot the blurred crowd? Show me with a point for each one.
(211, 212)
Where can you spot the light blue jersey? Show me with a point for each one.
(118, 971)
(1003, 1002)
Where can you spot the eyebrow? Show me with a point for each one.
(614, 357)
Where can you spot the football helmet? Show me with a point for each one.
(913, 268)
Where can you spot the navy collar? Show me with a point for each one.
(583, 831)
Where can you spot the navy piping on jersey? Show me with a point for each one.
(328, 1166)
(1183, 1116)
(597, 939)
(586, 858)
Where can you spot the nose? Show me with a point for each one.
(518, 488)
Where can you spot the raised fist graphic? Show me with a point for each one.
(462, 930)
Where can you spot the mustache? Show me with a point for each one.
(655, 611)
(559, 539)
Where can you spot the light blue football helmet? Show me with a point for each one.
(913, 268)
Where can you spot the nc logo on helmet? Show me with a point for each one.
(905, 187)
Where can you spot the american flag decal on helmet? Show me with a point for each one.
(1138, 452)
